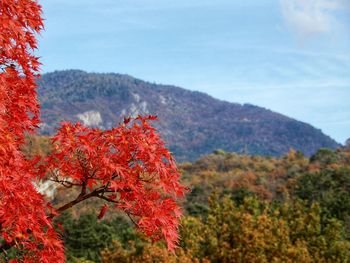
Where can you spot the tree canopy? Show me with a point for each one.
(127, 166)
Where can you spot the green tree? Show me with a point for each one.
(330, 188)
(86, 236)
(258, 232)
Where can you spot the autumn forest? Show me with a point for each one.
(240, 208)
(129, 191)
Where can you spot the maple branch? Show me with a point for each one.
(83, 189)
(65, 183)
(98, 192)
(107, 199)
(132, 220)
(81, 197)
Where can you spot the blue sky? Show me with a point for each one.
(290, 56)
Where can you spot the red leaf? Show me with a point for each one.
(103, 211)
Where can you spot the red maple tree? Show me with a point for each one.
(128, 166)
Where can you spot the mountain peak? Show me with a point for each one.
(192, 123)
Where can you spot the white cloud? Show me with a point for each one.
(311, 17)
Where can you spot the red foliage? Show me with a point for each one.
(127, 166)
(23, 220)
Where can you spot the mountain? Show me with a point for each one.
(192, 123)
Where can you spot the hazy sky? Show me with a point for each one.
(291, 56)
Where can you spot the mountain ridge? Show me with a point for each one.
(192, 123)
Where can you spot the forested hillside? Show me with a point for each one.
(240, 208)
(192, 123)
